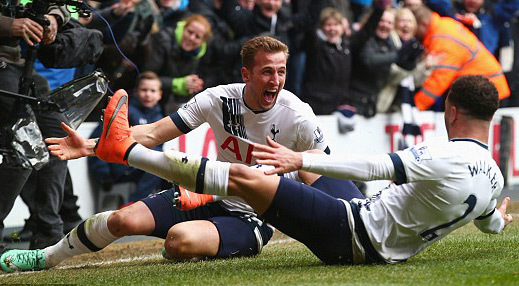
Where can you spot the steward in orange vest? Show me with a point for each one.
(460, 53)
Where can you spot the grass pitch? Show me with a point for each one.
(466, 257)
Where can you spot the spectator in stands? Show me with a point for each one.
(462, 54)
(372, 64)
(175, 55)
(131, 22)
(329, 50)
(489, 21)
(403, 35)
(143, 109)
(412, 4)
(271, 18)
(328, 64)
(220, 64)
(359, 8)
(172, 11)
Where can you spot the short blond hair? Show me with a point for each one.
(401, 12)
(265, 43)
(330, 13)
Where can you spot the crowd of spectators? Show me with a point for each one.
(360, 54)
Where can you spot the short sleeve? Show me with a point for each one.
(310, 134)
(194, 113)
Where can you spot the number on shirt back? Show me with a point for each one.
(431, 234)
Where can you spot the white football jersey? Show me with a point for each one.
(236, 127)
(439, 187)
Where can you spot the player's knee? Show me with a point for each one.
(120, 223)
(179, 243)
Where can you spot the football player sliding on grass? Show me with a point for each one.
(438, 186)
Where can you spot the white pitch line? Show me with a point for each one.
(127, 260)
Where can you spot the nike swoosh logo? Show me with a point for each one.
(122, 101)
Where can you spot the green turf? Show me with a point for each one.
(466, 257)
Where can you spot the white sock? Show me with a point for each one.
(216, 178)
(89, 236)
(192, 172)
(294, 175)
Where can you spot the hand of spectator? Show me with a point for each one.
(27, 29)
(469, 19)
(143, 27)
(409, 54)
(73, 146)
(433, 60)
(120, 9)
(194, 84)
(502, 209)
(283, 159)
(50, 32)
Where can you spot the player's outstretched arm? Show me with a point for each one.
(502, 209)
(283, 159)
(71, 147)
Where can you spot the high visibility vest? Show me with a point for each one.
(461, 54)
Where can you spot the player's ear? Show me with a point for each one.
(245, 74)
(454, 113)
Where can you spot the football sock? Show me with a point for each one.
(192, 172)
(89, 236)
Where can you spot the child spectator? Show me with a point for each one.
(143, 109)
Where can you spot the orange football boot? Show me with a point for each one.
(116, 139)
(186, 200)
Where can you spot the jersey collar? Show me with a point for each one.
(246, 105)
(470, 140)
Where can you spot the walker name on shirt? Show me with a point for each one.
(482, 167)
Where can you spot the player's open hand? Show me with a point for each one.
(281, 158)
(502, 209)
(71, 147)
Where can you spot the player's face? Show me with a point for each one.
(266, 80)
(149, 93)
(193, 37)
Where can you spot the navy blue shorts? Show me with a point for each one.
(314, 217)
(240, 234)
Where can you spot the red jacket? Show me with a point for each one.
(462, 54)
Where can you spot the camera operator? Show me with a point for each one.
(13, 178)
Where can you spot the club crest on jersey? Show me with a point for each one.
(318, 135)
(274, 131)
(421, 154)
